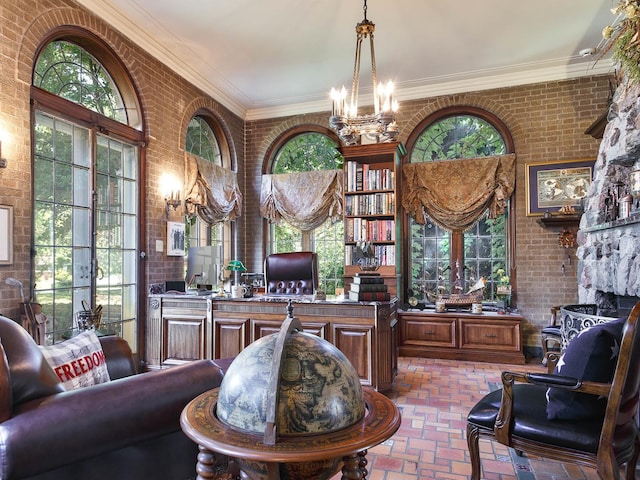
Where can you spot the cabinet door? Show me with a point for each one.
(428, 331)
(386, 353)
(356, 342)
(230, 336)
(487, 334)
(184, 338)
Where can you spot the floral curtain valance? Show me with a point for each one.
(211, 192)
(305, 200)
(456, 193)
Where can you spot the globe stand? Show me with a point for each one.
(199, 423)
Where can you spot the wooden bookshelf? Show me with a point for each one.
(372, 179)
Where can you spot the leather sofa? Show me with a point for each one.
(128, 428)
(293, 273)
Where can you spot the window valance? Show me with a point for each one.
(455, 194)
(211, 191)
(305, 200)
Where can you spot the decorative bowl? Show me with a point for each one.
(369, 268)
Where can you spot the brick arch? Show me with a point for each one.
(52, 19)
(459, 100)
(69, 20)
(205, 104)
(320, 119)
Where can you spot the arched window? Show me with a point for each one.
(201, 140)
(303, 151)
(86, 186)
(441, 259)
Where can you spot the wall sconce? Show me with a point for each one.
(3, 161)
(173, 200)
(170, 188)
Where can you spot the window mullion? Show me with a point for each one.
(457, 256)
(93, 214)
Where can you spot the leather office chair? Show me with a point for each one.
(517, 415)
(293, 273)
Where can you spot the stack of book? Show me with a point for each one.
(368, 287)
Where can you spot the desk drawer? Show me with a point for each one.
(432, 332)
(490, 335)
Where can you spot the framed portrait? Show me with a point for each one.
(6, 235)
(553, 185)
(175, 239)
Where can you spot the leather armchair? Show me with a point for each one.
(126, 428)
(517, 415)
(293, 273)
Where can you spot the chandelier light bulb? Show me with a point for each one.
(339, 102)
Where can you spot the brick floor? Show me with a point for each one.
(434, 397)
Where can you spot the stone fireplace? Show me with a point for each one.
(608, 240)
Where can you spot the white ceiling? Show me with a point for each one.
(270, 58)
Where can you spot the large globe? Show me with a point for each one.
(317, 391)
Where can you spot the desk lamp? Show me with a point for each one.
(236, 266)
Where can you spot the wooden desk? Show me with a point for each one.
(182, 328)
(199, 422)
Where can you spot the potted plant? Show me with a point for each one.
(503, 290)
(625, 37)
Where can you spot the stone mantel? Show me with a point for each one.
(609, 247)
(619, 223)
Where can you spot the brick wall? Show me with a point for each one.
(546, 120)
(168, 103)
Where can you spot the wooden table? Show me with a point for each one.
(199, 422)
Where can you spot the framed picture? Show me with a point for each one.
(553, 185)
(6, 235)
(175, 239)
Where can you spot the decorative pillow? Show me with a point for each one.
(79, 361)
(593, 356)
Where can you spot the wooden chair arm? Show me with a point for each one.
(552, 360)
(502, 427)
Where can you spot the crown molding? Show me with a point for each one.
(450, 86)
(218, 87)
(129, 29)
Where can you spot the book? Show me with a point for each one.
(360, 279)
(368, 287)
(370, 296)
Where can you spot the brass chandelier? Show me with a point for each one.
(379, 126)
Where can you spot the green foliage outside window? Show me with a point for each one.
(201, 141)
(485, 245)
(307, 152)
(460, 136)
(85, 200)
(69, 71)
